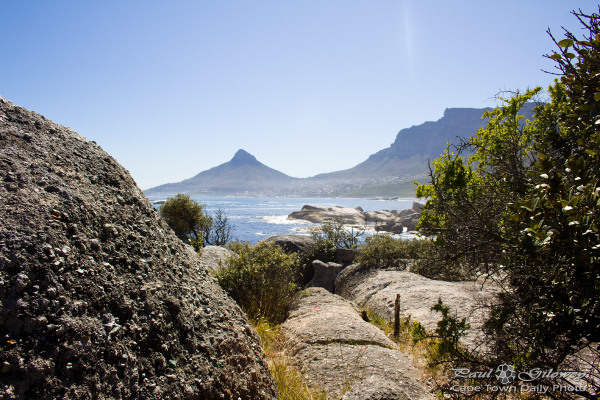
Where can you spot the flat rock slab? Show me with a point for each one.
(322, 317)
(374, 388)
(344, 369)
(376, 289)
(339, 352)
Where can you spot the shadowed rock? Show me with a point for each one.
(299, 244)
(325, 274)
(99, 297)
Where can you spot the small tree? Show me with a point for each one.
(187, 219)
(542, 229)
(468, 198)
(220, 231)
(193, 225)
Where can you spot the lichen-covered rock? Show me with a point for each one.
(378, 388)
(99, 299)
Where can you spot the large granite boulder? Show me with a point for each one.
(299, 244)
(99, 299)
(214, 257)
(390, 221)
(320, 214)
(336, 351)
(376, 289)
(417, 206)
(345, 256)
(410, 222)
(394, 226)
(381, 216)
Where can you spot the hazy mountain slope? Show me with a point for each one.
(414, 146)
(243, 173)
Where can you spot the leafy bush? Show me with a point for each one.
(261, 279)
(382, 250)
(323, 249)
(335, 232)
(525, 208)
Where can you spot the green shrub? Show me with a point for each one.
(323, 249)
(261, 279)
(338, 234)
(187, 218)
(384, 251)
(433, 268)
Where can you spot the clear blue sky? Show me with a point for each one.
(171, 88)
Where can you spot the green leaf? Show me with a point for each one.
(597, 97)
(555, 56)
(570, 55)
(565, 43)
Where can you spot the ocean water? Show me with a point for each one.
(257, 218)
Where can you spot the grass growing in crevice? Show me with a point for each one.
(413, 340)
(430, 352)
(290, 382)
(404, 337)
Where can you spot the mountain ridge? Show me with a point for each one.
(405, 160)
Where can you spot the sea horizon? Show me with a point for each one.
(258, 218)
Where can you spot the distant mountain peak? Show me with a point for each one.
(242, 175)
(243, 157)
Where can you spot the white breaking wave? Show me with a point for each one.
(282, 220)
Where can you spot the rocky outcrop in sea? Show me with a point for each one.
(99, 299)
(391, 221)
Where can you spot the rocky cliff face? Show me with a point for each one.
(414, 146)
(99, 299)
